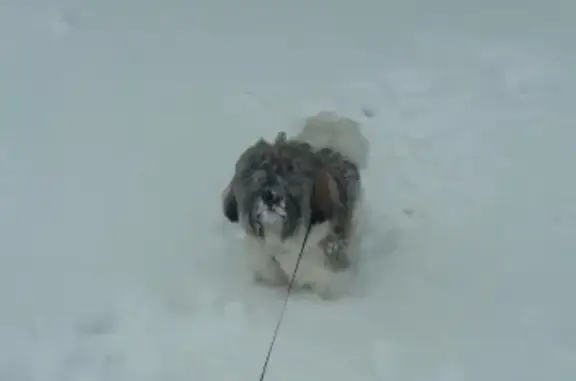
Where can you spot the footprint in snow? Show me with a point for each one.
(60, 24)
(98, 325)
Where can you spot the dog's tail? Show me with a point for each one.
(327, 130)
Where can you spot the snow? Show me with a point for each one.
(119, 125)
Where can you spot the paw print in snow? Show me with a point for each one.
(59, 24)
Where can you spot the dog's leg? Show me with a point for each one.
(335, 247)
(328, 202)
(264, 268)
(269, 274)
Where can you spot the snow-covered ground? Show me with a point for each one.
(120, 122)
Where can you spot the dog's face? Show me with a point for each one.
(272, 187)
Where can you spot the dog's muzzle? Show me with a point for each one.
(270, 198)
(272, 205)
(274, 211)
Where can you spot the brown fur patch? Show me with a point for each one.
(321, 203)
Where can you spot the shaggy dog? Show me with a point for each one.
(281, 188)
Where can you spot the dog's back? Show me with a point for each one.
(326, 130)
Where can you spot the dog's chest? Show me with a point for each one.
(312, 268)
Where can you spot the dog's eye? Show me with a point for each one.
(289, 167)
(256, 176)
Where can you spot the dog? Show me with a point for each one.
(280, 189)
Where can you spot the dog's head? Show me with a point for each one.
(275, 188)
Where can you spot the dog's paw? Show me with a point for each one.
(326, 293)
(270, 275)
(331, 290)
(335, 249)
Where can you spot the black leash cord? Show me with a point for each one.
(265, 366)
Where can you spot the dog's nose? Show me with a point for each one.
(269, 197)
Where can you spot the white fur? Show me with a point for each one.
(273, 261)
(326, 129)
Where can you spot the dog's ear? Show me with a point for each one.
(281, 137)
(323, 197)
(230, 205)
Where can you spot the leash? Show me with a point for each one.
(279, 323)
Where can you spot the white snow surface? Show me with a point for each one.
(120, 121)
